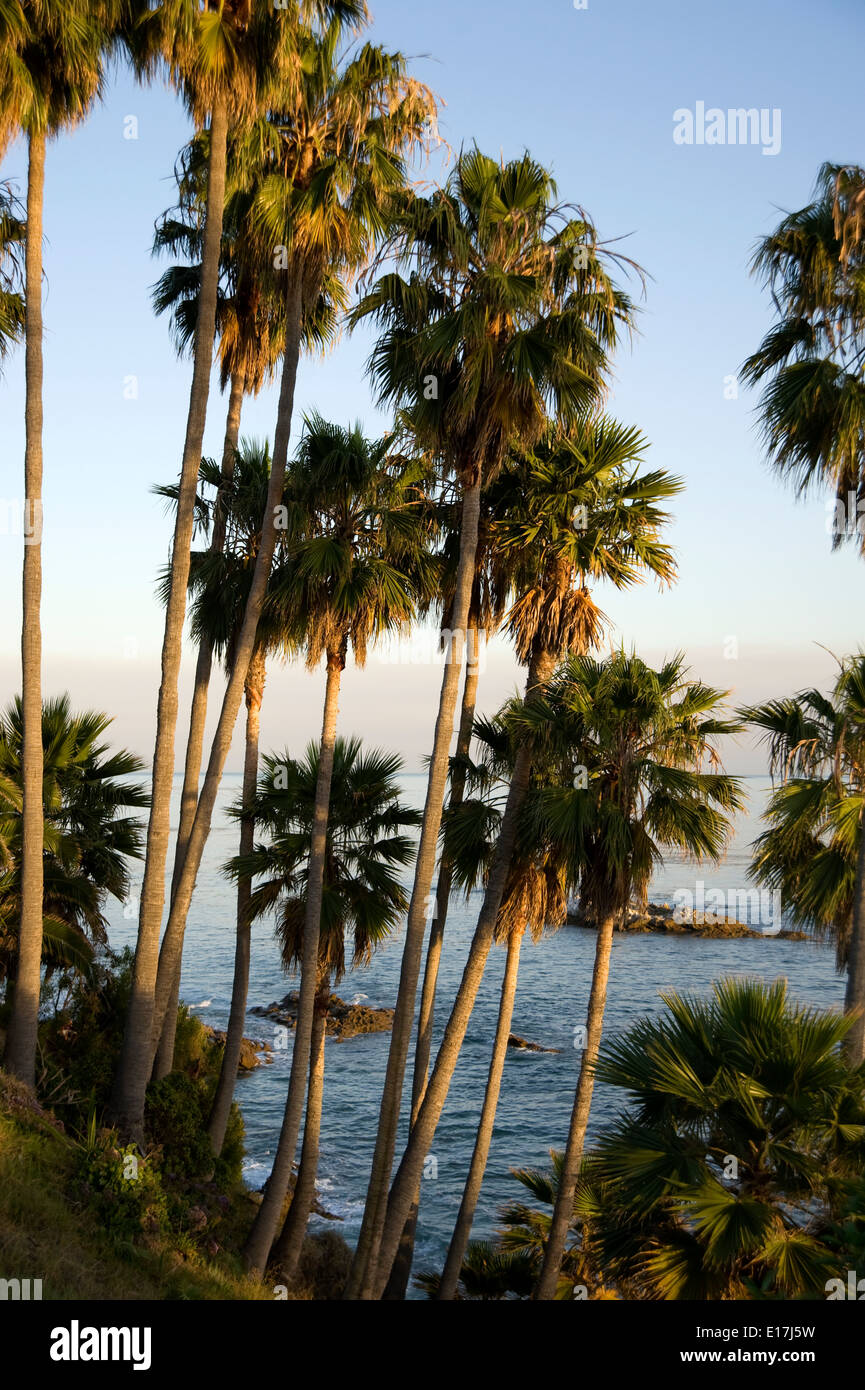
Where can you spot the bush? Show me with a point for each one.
(176, 1123)
(124, 1189)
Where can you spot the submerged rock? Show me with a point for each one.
(343, 1020)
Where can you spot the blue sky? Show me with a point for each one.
(590, 93)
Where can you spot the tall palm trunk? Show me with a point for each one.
(136, 1058)
(288, 1248)
(257, 1248)
(197, 719)
(20, 1055)
(477, 1168)
(409, 1172)
(172, 945)
(237, 1015)
(366, 1254)
(854, 997)
(563, 1210)
(398, 1281)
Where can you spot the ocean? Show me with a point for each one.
(538, 1087)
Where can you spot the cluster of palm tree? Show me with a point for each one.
(501, 497)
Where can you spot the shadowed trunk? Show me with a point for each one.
(411, 1166)
(398, 1281)
(366, 1254)
(136, 1058)
(564, 1208)
(221, 1108)
(197, 719)
(20, 1055)
(288, 1248)
(257, 1248)
(477, 1168)
(854, 997)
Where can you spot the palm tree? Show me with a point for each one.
(508, 310)
(366, 846)
(54, 57)
(644, 737)
(745, 1074)
(811, 850)
(576, 508)
(226, 53)
(330, 162)
(12, 238)
(88, 835)
(351, 575)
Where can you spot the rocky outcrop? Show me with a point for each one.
(252, 1053)
(523, 1044)
(660, 917)
(343, 1020)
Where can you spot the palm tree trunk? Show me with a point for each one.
(477, 1168)
(257, 1248)
(172, 945)
(366, 1254)
(197, 719)
(20, 1055)
(411, 1165)
(136, 1058)
(237, 1015)
(398, 1281)
(289, 1246)
(563, 1210)
(854, 997)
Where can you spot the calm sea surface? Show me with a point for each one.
(551, 1001)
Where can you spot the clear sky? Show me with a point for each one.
(592, 93)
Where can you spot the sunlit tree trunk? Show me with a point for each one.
(20, 1055)
(137, 1053)
(477, 1168)
(854, 998)
(197, 719)
(563, 1211)
(365, 1259)
(398, 1281)
(237, 1015)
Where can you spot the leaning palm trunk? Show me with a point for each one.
(563, 1211)
(244, 646)
(257, 1248)
(420, 1138)
(197, 718)
(288, 1248)
(20, 1055)
(237, 1015)
(398, 1282)
(136, 1058)
(366, 1254)
(854, 998)
(477, 1168)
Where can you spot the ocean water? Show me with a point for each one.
(538, 1088)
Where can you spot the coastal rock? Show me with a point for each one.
(514, 1040)
(343, 1020)
(661, 917)
(252, 1054)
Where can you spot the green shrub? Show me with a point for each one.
(176, 1123)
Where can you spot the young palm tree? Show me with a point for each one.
(351, 574)
(644, 737)
(330, 162)
(746, 1073)
(54, 57)
(362, 897)
(220, 55)
(812, 850)
(508, 309)
(88, 835)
